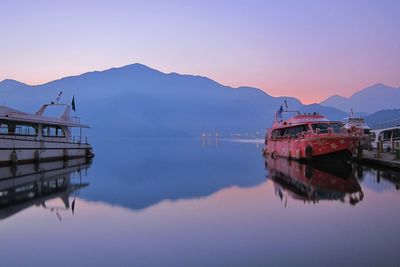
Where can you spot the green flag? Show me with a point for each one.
(73, 103)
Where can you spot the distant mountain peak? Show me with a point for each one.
(335, 97)
(10, 84)
(376, 97)
(136, 66)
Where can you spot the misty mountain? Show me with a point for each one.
(371, 99)
(383, 116)
(9, 84)
(137, 101)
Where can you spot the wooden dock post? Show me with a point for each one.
(359, 152)
(14, 157)
(378, 150)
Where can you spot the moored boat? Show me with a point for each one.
(35, 137)
(356, 125)
(309, 137)
(387, 138)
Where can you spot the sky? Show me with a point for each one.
(302, 48)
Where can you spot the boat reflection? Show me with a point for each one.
(23, 186)
(312, 183)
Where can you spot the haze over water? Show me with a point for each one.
(184, 202)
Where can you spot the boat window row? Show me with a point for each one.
(390, 135)
(289, 131)
(324, 127)
(52, 131)
(296, 130)
(18, 129)
(356, 120)
(27, 129)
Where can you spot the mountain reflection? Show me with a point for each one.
(149, 171)
(311, 183)
(23, 186)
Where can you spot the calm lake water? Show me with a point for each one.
(184, 202)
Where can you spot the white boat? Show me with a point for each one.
(352, 123)
(389, 137)
(35, 137)
(357, 126)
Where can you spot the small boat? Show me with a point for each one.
(26, 138)
(354, 124)
(309, 136)
(388, 138)
(357, 126)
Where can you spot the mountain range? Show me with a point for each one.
(369, 100)
(138, 101)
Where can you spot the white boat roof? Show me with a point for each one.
(354, 117)
(11, 114)
(386, 129)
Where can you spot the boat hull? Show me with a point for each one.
(19, 150)
(314, 147)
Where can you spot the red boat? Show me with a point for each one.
(309, 137)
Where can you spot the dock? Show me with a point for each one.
(378, 158)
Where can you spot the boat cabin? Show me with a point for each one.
(389, 137)
(356, 122)
(20, 125)
(304, 123)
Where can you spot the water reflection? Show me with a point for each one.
(152, 202)
(29, 185)
(147, 172)
(378, 178)
(312, 183)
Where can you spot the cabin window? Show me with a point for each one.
(23, 129)
(396, 134)
(275, 133)
(336, 127)
(52, 131)
(323, 127)
(356, 120)
(387, 135)
(294, 131)
(3, 128)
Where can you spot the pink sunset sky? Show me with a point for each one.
(306, 49)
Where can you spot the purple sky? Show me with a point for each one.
(306, 49)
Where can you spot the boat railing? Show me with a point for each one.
(386, 124)
(79, 139)
(60, 139)
(280, 113)
(76, 119)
